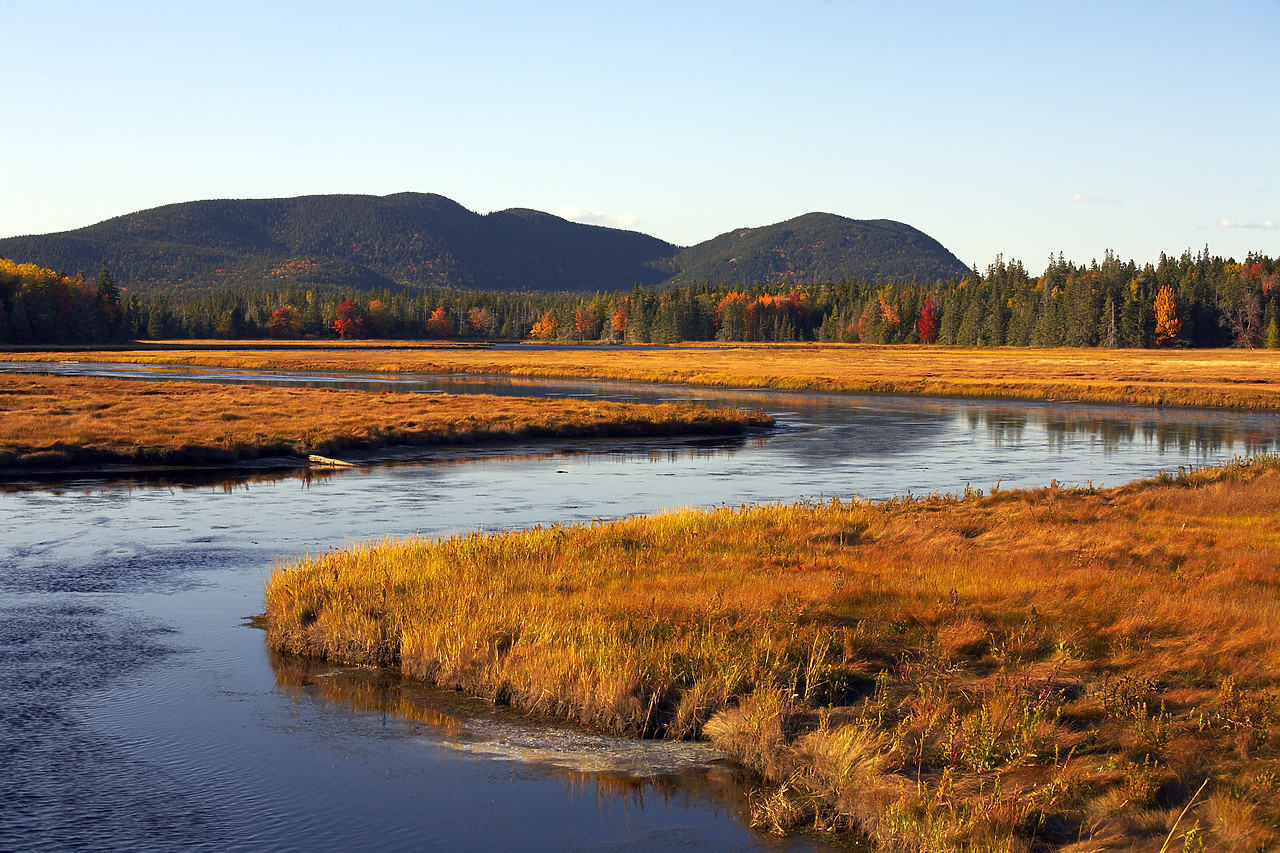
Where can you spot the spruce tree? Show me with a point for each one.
(107, 286)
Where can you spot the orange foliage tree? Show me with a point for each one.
(545, 328)
(285, 322)
(481, 321)
(439, 325)
(1167, 323)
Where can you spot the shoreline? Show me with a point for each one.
(1241, 380)
(64, 425)
(910, 670)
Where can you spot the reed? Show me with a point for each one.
(55, 421)
(1042, 668)
(1221, 378)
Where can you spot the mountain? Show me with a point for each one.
(822, 247)
(419, 240)
(408, 239)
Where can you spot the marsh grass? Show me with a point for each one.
(56, 421)
(1220, 378)
(1046, 668)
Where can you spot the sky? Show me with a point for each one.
(1021, 129)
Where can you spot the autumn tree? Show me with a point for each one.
(1167, 323)
(481, 321)
(439, 326)
(927, 325)
(586, 323)
(285, 322)
(545, 328)
(619, 324)
(351, 321)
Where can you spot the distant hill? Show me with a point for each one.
(415, 240)
(822, 247)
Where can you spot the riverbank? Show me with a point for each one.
(56, 422)
(1221, 378)
(1081, 669)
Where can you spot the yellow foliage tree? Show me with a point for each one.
(1167, 323)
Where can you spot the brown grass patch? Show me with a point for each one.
(1222, 378)
(1067, 679)
(54, 421)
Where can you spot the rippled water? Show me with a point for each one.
(140, 711)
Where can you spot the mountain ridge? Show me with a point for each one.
(417, 240)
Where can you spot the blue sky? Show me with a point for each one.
(1021, 128)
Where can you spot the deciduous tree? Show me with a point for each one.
(1167, 323)
(351, 320)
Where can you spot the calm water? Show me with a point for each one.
(140, 711)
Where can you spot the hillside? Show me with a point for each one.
(820, 246)
(408, 239)
(417, 240)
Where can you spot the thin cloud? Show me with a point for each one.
(1266, 224)
(1093, 199)
(596, 217)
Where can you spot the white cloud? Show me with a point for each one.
(1231, 223)
(596, 217)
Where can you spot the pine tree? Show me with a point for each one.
(1111, 340)
(107, 286)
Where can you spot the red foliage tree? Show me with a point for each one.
(285, 322)
(351, 320)
(927, 326)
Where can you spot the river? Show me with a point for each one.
(141, 709)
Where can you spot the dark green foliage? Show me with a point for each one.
(1219, 302)
(364, 243)
(415, 240)
(819, 247)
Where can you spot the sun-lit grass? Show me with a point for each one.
(1042, 668)
(1247, 379)
(54, 421)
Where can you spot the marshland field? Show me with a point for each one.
(992, 600)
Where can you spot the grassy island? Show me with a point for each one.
(1072, 669)
(60, 422)
(1220, 378)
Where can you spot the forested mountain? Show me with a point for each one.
(421, 266)
(413, 240)
(819, 247)
(356, 242)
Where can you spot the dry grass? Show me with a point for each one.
(1220, 378)
(1037, 669)
(52, 421)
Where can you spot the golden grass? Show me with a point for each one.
(1220, 378)
(1044, 668)
(54, 421)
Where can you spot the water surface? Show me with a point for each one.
(140, 711)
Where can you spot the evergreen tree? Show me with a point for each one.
(107, 286)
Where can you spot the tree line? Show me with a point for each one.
(1192, 300)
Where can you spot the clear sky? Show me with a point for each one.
(1023, 128)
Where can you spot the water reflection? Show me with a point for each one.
(901, 425)
(651, 450)
(611, 770)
